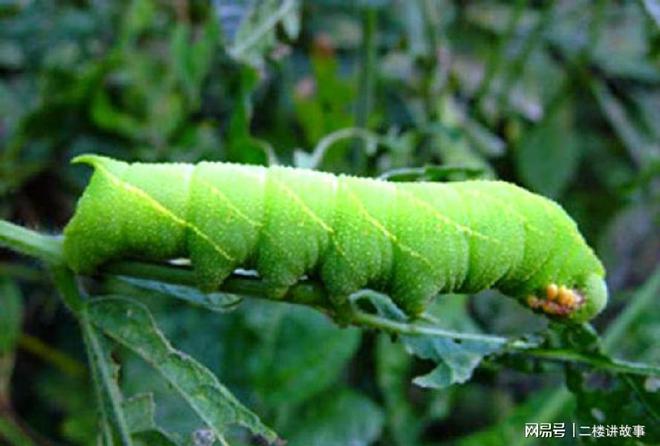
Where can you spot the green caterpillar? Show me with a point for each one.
(410, 240)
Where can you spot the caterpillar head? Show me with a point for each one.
(579, 303)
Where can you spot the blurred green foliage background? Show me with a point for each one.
(560, 96)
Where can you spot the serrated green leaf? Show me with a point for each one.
(140, 411)
(456, 361)
(109, 396)
(131, 324)
(256, 34)
(577, 337)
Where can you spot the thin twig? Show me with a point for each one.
(402, 328)
(364, 102)
(31, 243)
(371, 139)
(312, 293)
(239, 48)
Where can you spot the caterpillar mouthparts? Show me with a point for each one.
(558, 300)
(561, 300)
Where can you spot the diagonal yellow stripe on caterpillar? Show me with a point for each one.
(448, 221)
(370, 218)
(222, 196)
(307, 210)
(255, 224)
(539, 265)
(439, 215)
(489, 272)
(197, 231)
(158, 207)
(225, 199)
(303, 206)
(547, 209)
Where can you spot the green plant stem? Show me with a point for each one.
(66, 285)
(611, 365)
(311, 293)
(304, 292)
(431, 63)
(367, 78)
(402, 328)
(62, 361)
(369, 138)
(366, 82)
(108, 401)
(31, 243)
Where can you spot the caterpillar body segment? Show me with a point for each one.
(410, 240)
